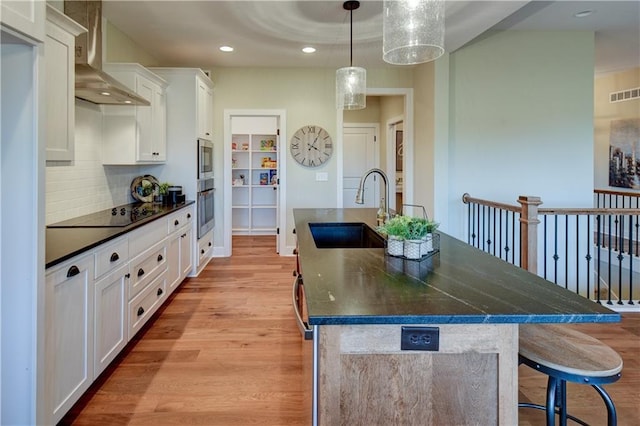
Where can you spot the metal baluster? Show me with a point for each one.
(588, 257)
(620, 260)
(630, 302)
(566, 251)
(598, 253)
(469, 223)
(577, 254)
(494, 231)
(545, 246)
(609, 268)
(555, 250)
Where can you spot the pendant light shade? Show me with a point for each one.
(351, 82)
(412, 31)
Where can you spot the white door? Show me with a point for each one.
(360, 154)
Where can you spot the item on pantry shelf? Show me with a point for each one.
(273, 177)
(245, 146)
(234, 146)
(264, 178)
(267, 145)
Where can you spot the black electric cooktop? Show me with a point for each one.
(116, 217)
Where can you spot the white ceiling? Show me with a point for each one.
(272, 33)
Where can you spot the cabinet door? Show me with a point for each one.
(144, 120)
(159, 124)
(173, 261)
(60, 86)
(24, 16)
(70, 296)
(186, 252)
(111, 323)
(205, 110)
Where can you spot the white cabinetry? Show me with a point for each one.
(180, 247)
(24, 16)
(254, 163)
(59, 57)
(112, 279)
(70, 294)
(205, 109)
(205, 246)
(136, 134)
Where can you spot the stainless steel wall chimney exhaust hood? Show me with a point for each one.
(93, 84)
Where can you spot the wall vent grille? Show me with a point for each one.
(624, 95)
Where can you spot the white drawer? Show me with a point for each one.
(205, 247)
(144, 237)
(146, 303)
(146, 267)
(111, 256)
(180, 219)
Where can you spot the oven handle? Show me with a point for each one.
(206, 191)
(305, 328)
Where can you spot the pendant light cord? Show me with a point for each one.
(351, 38)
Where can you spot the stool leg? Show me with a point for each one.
(552, 385)
(612, 418)
(562, 403)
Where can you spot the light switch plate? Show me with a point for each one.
(322, 176)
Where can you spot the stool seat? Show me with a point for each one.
(567, 350)
(565, 354)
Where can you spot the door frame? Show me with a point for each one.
(407, 142)
(391, 157)
(281, 116)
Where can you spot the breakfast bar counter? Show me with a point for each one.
(458, 310)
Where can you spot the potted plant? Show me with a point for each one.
(427, 245)
(396, 231)
(416, 232)
(163, 192)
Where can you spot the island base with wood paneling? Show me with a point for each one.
(363, 376)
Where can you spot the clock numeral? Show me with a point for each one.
(296, 137)
(326, 137)
(311, 129)
(312, 163)
(328, 145)
(326, 153)
(295, 146)
(297, 154)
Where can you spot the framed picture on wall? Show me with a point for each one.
(624, 153)
(398, 150)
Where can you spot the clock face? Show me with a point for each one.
(311, 146)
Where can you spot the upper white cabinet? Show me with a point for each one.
(136, 134)
(60, 84)
(205, 109)
(24, 16)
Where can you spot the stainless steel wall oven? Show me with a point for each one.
(206, 219)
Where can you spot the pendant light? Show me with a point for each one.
(351, 82)
(412, 31)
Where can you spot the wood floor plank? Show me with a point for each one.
(225, 350)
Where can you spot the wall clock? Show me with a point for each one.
(311, 146)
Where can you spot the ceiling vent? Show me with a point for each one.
(624, 95)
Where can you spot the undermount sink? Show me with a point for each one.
(345, 235)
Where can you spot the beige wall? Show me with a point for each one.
(424, 126)
(120, 48)
(606, 112)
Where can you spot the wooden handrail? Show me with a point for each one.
(610, 192)
(466, 198)
(589, 211)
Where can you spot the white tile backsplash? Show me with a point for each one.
(86, 186)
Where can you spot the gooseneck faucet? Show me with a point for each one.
(360, 193)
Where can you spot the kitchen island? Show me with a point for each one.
(466, 306)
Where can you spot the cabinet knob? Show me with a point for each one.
(128, 275)
(183, 235)
(209, 243)
(176, 223)
(140, 272)
(160, 258)
(140, 310)
(73, 271)
(202, 251)
(159, 293)
(188, 215)
(114, 257)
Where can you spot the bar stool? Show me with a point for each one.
(567, 355)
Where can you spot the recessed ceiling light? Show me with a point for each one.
(308, 49)
(226, 48)
(583, 14)
(127, 102)
(105, 93)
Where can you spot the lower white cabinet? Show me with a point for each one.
(205, 248)
(146, 267)
(70, 292)
(111, 317)
(179, 251)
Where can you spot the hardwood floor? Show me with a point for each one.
(226, 351)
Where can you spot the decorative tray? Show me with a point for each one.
(144, 187)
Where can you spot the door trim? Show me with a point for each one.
(391, 158)
(281, 115)
(376, 153)
(407, 142)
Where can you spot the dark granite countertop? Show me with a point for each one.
(64, 243)
(458, 285)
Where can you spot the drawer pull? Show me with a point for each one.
(115, 257)
(140, 310)
(209, 243)
(128, 275)
(73, 271)
(160, 258)
(176, 223)
(202, 251)
(140, 272)
(188, 215)
(183, 235)
(159, 293)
